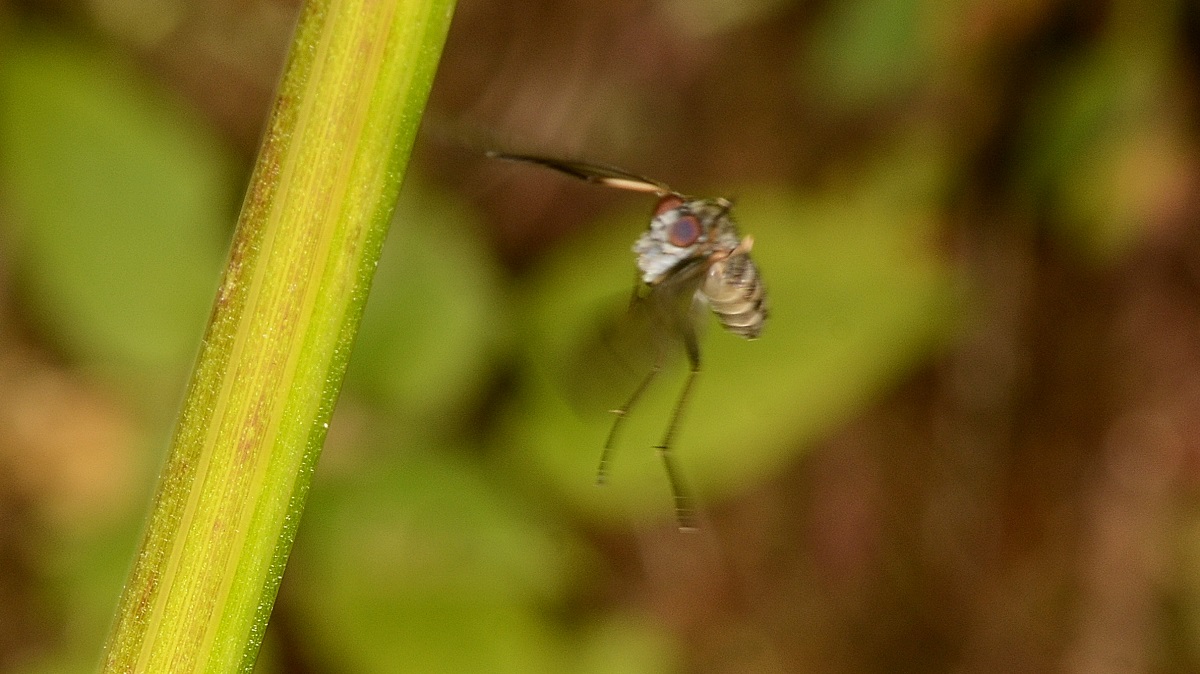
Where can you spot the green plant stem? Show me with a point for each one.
(274, 354)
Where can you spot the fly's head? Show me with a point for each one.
(685, 234)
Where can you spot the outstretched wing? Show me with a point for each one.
(600, 174)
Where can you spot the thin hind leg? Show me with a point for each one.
(622, 412)
(685, 512)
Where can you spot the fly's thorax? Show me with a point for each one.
(684, 230)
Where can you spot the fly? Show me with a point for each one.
(690, 258)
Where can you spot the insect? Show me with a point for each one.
(691, 257)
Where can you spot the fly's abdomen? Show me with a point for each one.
(735, 293)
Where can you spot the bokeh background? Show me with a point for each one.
(968, 440)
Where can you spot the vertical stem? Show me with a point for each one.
(275, 351)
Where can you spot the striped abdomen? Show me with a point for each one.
(735, 293)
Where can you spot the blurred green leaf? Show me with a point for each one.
(83, 576)
(865, 50)
(625, 644)
(1104, 151)
(420, 566)
(857, 296)
(434, 315)
(120, 202)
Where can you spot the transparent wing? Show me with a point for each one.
(625, 340)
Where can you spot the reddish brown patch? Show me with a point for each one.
(666, 203)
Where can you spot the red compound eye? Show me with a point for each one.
(684, 231)
(666, 203)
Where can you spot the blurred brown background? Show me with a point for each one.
(966, 442)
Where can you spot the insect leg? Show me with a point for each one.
(635, 295)
(685, 512)
(622, 412)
